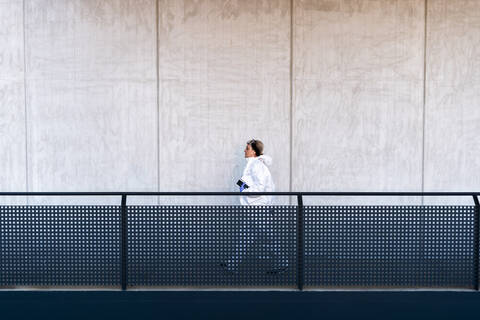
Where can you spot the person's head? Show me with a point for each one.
(254, 148)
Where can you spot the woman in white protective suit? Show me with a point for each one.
(257, 178)
(256, 175)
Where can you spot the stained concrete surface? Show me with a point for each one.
(162, 95)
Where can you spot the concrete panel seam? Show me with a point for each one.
(291, 95)
(25, 97)
(424, 94)
(157, 62)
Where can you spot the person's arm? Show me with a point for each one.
(256, 183)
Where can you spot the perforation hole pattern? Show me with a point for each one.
(186, 246)
(389, 246)
(59, 246)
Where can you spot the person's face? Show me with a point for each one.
(249, 153)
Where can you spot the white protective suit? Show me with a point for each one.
(258, 178)
(259, 224)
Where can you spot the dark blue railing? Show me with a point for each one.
(353, 238)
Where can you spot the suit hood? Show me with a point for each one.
(267, 160)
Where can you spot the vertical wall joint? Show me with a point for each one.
(424, 104)
(291, 95)
(25, 97)
(157, 62)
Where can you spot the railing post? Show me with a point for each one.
(123, 243)
(476, 239)
(300, 243)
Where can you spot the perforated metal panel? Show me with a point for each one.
(389, 246)
(186, 245)
(59, 246)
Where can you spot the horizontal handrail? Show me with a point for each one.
(221, 193)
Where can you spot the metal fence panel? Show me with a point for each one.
(187, 246)
(175, 246)
(389, 246)
(58, 246)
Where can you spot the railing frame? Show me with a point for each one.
(300, 218)
(476, 238)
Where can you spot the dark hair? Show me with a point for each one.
(257, 146)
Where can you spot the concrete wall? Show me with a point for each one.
(224, 78)
(371, 95)
(91, 95)
(12, 100)
(358, 76)
(452, 112)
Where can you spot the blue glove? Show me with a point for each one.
(242, 187)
